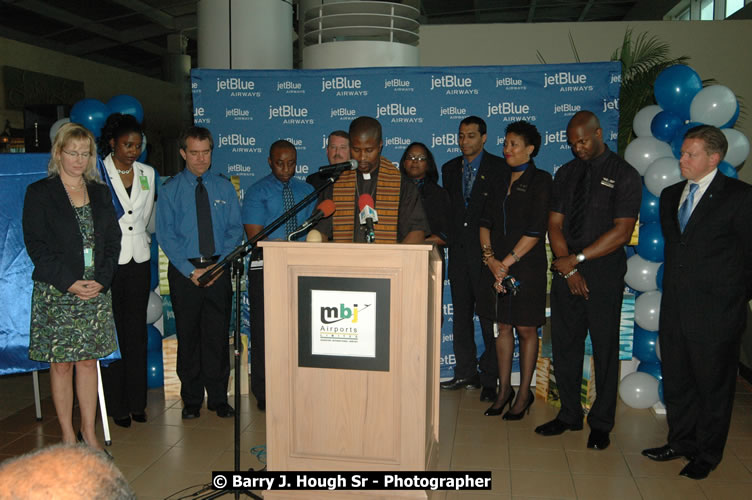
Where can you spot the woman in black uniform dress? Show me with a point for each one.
(512, 236)
(418, 165)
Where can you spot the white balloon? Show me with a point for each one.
(738, 146)
(643, 151)
(662, 173)
(647, 310)
(153, 308)
(643, 119)
(641, 274)
(56, 126)
(143, 142)
(639, 390)
(714, 105)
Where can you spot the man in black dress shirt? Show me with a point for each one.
(468, 180)
(594, 206)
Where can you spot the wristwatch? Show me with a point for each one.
(580, 257)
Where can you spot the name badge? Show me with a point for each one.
(88, 256)
(609, 183)
(144, 182)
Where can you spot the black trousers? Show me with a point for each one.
(699, 380)
(256, 310)
(124, 380)
(202, 320)
(464, 286)
(571, 318)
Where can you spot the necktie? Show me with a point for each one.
(287, 203)
(580, 204)
(203, 220)
(685, 210)
(467, 182)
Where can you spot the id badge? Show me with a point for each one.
(88, 256)
(144, 182)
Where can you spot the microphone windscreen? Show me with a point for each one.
(364, 201)
(327, 208)
(314, 236)
(353, 164)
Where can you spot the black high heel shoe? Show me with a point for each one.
(80, 438)
(492, 412)
(518, 416)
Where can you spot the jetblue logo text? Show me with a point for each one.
(290, 87)
(454, 84)
(238, 87)
(398, 85)
(567, 82)
(343, 86)
(291, 114)
(398, 113)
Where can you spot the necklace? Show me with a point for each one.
(124, 172)
(74, 188)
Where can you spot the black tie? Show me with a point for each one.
(580, 204)
(288, 201)
(203, 218)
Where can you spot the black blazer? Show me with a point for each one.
(464, 230)
(53, 239)
(707, 275)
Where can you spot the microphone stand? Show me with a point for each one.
(234, 260)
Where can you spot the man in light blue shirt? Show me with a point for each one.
(263, 203)
(198, 224)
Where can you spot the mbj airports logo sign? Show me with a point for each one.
(343, 323)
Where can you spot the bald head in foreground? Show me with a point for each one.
(63, 472)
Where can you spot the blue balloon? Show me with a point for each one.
(154, 369)
(153, 338)
(643, 345)
(659, 277)
(649, 209)
(650, 246)
(678, 140)
(91, 114)
(728, 170)
(127, 105)
(653, 369)
(675, 87)
(733, 119)
(664, 125)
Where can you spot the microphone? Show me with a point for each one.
(324, 209)
(368, 216)
(338, 167)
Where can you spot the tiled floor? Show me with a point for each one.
(167, 454)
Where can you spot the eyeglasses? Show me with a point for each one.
(416, 158)
(75, 155)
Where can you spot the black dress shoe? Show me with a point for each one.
(662, 454)
(223, 410)
(261, 404)
(190, 412)
(472, 382)
(139, 417)
(488, 394)
(697, 469)
(598, 440)
(123, 421)
(556, 427)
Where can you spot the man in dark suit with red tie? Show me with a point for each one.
(707, 283)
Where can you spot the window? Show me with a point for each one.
(706, 10)
(733, 5)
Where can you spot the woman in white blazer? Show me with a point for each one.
(133, 184)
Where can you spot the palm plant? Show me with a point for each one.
(642, 59)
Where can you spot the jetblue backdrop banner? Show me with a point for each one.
(247, 110)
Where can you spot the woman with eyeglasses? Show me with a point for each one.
(133, 184)
(73, 238)
(512, 237)
(418, 165)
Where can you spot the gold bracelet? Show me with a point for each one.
(514, 256)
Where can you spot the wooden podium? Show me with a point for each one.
(327, 409)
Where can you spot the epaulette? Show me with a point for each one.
(169, 179)
(224, 176)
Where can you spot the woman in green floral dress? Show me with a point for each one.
(73, 238)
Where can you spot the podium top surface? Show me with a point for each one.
(423, 247)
